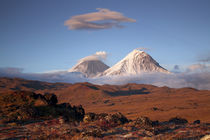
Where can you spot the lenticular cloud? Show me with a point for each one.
(101, 55)
(103, 19)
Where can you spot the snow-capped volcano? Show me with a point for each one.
(135, 62)
(89, 68)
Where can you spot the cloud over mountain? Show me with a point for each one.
(100, 55)
(58, 76)
(177, 80)
(103, 19)
(198, 68)
(196, 75)
(10, 71)
(195, 79)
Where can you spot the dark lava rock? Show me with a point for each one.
(105, 120)
(178, 120)
(51, 98)
(80, 112)
(73, 131)
(155, 109)
(96, 132)
(143, 121)
(155, 123)
(119, 117)
(111, 120)
(19, 106)
(100, 116)
(39, 100)
(89, 117)
(197, 122)
(69, 113)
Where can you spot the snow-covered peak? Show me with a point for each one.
(136, 53)
(135, 62)
(89, 68)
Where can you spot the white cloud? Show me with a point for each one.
(198, 68)
(58, 76)
(101, 55)
(194, 78)
(176, 80)
(10, 71)
(103, 19)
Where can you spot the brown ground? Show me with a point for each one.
(133, 100)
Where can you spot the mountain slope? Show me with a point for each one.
(133, 100)
(89, 68)
(134, 63)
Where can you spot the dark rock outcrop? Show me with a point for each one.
(23, 105)
(106, 120)
(178, 120)
(69, 113)
(143, 121)
(51, 98)
(197, 122)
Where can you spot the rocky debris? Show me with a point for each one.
(178, 120)
(69, 113)
(23, 106)
(51, 98)
(89, 117)
(197, 122)
(18, 106)
(52, 129)
(115, 119)
(94, 132)
(142, 122)
(26, 115)
(60, 129)
(106, 120)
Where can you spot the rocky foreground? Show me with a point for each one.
(132, 100)
(140, 128)
(26, 115)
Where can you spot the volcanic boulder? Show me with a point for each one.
(25, 105)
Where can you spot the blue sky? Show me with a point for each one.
(33, 35)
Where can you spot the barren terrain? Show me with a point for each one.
(132, 100)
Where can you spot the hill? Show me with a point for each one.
(132, 100)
